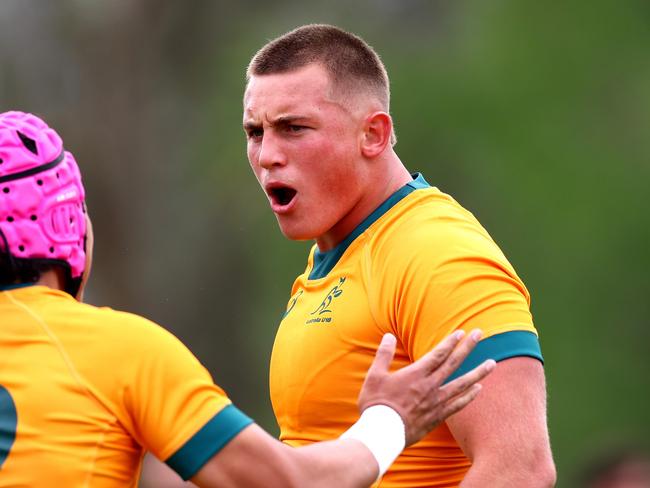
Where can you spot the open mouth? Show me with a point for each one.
(281, 195)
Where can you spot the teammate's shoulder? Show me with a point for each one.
(105, 314)
(129, 326)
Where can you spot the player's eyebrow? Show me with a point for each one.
(278, 121)
(250, 125)
(288, 119)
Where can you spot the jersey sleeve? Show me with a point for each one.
(175, 409)
(445, 273)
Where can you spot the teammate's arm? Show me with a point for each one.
(504, 431)
(253, 458)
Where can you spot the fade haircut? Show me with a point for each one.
(352, 65)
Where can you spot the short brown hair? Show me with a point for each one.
(349, 60)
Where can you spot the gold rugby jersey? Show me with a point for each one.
(84, 391)
(420, 267)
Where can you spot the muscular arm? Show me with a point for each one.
(454, 275)
(504, 431)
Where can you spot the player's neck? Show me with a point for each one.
(52, 278)
(387, 177)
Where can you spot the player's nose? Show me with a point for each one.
(271, 153)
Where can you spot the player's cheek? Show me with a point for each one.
(253, 155)
(253, 161)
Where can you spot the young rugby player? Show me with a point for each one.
(392, 255)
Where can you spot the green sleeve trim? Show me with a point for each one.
(499, 347)
(208, 441)
(8, 423)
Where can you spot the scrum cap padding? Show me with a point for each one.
(41, 193)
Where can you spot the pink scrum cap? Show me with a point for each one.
(41, 194)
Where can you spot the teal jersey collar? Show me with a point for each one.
(325, 261)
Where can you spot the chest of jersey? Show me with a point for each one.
(323, 349)
(325, 344)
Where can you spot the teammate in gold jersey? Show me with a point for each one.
(392, 254)
(84, 391)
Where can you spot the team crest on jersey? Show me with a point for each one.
(317, 316)
(291, 304)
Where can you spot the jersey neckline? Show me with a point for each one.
(325, 261)
(16, 286)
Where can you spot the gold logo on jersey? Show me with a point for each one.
(324, 307)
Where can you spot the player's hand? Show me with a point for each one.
(416, 391)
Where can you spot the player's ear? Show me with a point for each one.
(89, 258)
(377, 130)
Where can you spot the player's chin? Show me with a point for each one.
(294, 229)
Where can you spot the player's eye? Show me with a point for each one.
(296, 128)
(254, 133)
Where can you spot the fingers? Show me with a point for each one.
(446, 357)
(384, 355)
(460, 402)
(456, 357)
(468, 380)
(457, 394)
(438, 355)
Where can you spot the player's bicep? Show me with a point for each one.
(508, 418)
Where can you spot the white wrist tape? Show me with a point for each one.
(382, 431)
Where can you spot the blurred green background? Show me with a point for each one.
(534, 115)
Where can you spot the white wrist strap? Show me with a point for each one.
(382, 431)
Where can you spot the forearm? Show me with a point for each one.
(254, 459)
(343, 463)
